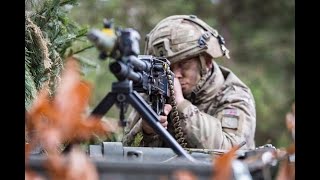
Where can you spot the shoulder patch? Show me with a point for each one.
(230, 122)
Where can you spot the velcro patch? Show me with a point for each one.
(231, 112)
(230, 122)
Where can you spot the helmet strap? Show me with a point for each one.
(203, 73)
(203, 65)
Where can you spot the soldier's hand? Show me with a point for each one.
(163, 120)
(178, 91)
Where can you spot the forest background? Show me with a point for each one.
(260, 37)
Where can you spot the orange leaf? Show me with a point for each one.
(33, 116)
(222, 167)
(71, 99)
(27, 152)
(63, 118)
(75, 165)
(80, 166)
(30, 175)
(184, 175)
(286, 170)
(91, 126)
(56, 166)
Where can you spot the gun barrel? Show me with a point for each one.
(122, 72)
(140, 65)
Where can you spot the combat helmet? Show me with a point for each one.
(180, 37)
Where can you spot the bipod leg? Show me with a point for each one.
(103, 107)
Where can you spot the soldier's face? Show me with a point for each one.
(188, 73)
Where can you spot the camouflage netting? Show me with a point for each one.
(40, 69)
(49, 34)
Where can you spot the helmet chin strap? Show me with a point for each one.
(203, 74)
(203, 65)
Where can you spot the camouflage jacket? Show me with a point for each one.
(219, 115)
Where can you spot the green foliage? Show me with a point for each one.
(49, 36)
(137, 140)
(260, 37)
(30, 86)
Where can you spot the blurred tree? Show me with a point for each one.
(263, 40)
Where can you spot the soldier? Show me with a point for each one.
(215, 109)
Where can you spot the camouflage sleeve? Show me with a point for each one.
(233, 122)
(132, 128)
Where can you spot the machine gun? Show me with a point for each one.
(151, 79)
(144, 74)
(149, 74)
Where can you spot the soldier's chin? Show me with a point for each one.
(186, 93)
